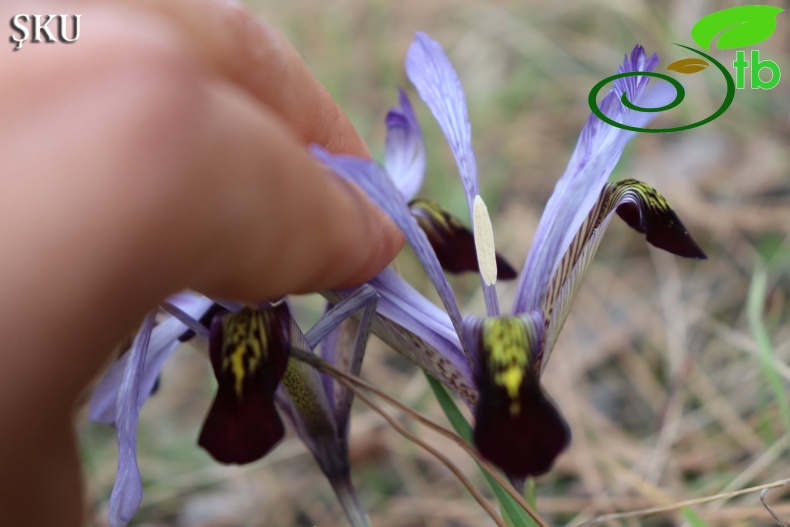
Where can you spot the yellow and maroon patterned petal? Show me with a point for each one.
(249, 354)
(517, 426)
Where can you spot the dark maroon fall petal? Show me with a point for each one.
(241, 433)
(249, 354)
(517, 427)
(452, 241)
(522, 444)
(649, 213)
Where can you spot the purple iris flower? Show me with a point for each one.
(495, 362)
(249, 348)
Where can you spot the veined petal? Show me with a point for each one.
(249, 354)
(381, 190)
(358, 299)
(644, 209)
(127, 492)
(452, 241)
(597, 152)
(307, 406)
(517, 426)
(436, 81)
(164, 340)
(420, 331)
(343, 344)
(404, 157)
(352, 352)
(433, 75)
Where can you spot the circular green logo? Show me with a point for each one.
(680, 94)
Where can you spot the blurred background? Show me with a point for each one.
(658, 369)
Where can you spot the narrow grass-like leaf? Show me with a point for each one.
(531, 494)
(756, 301)
(512, 511)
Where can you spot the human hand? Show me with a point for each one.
(164, 149)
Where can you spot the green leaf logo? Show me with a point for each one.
(739, 26)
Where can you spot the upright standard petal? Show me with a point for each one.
(404, 157)
(436, 81)
(249, 354)
(127, 492)
(643, 209)
(336, 330)
(431, 72)
(597, 152)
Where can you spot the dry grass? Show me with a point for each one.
(657, 371)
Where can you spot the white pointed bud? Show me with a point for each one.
(484, 241)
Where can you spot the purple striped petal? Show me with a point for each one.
(164, 340)
(436, 81)
(405, 306)
(404, 157)
(342, 345)
(127, 492)
(433, 75)
(420, 331)
(381, 190)
(597, 152)
(352, 339)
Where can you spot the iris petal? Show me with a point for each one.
(452, 241)
(597, 152)
(127, 492)
(436, 81)
(164, 340)
(517, 427)
(381, 190)
(431, 72)
(404, 157)
(420, 331)
(249, 354)
(308, 405)
(643, 209)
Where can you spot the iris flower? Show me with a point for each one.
(495, 363)
(249, 348)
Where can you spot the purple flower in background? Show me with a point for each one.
(249, 348)
(495, 362)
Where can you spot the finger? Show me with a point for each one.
(166, 177)
(298, 227)
(249, 52)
